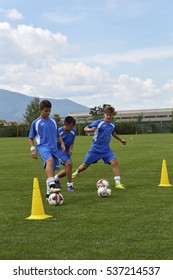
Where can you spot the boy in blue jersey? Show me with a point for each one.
(68, 134)
(45, 131)
(103, 130)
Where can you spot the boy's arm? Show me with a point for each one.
(61, 143)
(115, 135)
(32, 148)
(70, 149)
(88, 129)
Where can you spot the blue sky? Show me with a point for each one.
(90, 51)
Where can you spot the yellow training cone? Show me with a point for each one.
(37, 209)
(164, 181)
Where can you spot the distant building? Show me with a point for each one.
(144, 115)
(81, 117)
(147, 120)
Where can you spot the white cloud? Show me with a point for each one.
(135, 90)
(11, 14)
(61, 18)
(32, 46)
(37, 62)
(168, 86)
(5, 26)
(33, 57)
(146, 87)
(134, 56)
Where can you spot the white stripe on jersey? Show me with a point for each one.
(96, 131)
(72, 132)
(37, 137)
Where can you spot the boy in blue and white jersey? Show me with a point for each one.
(45, 131)
(103, 130)
(68, 134)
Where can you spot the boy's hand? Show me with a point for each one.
(34, 154)
(63, 147)
(123, 142)
(92, 129)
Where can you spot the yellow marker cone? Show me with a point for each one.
(37, 209)
(164, 180)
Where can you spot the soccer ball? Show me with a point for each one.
(103, 189)
(55, 199)
(102, 183)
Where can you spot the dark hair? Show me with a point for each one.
(109, 109)
(45, 104)
(69, 120)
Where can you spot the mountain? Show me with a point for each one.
(13, 106)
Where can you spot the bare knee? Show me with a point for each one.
(114, 162)
(68, 164)
(49, 162)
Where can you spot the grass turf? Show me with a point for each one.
(132, 224)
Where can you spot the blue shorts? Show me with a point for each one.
(93, 157)
(45, 154)
(63, 157)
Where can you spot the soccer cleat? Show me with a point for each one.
(54, 189)
(58, 185)
(119, 186)
(70, 188)
(74, 175)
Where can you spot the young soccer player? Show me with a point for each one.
(103, 130)
(68, 134)
(45, 131)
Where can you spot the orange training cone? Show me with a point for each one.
(164, 181)
(37, 209)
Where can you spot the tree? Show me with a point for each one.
(57, 119)
(2, 123)
(98, 110)
(140, 117)
(32, 110)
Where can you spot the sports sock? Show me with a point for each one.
(56, 178)
(117, 179)
(47, 188)
(49, 182)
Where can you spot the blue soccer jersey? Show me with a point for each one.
(45, 132)
(67, 137)
(102, 135)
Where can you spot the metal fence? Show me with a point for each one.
(14, 131)
(140, 127)
(154, 127)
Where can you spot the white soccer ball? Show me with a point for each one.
(102, 183)
(103, 189)
(55, 199)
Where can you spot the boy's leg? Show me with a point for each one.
(50, 182)
(89, 158)
(81, 168)
(68, 171)
(57, 181)
(116, 172)
(50, 163)
(63, 157)
(60, 174)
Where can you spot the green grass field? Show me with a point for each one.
(132, 224)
